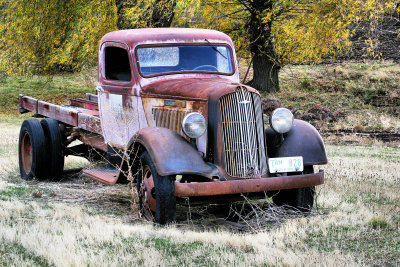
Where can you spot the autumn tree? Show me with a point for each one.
(47, 36)
(278, 32)
(57, 35)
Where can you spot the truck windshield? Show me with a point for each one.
(158, 60)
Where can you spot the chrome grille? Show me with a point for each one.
(169, 118)
(243, 134)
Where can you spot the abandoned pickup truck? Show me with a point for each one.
(171, 116)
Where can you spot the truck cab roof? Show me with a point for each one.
(135, 37)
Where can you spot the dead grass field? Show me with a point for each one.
(77, 222)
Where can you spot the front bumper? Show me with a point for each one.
(248, 185)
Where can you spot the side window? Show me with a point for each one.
(117, 65)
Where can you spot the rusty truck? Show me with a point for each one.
(170, 110)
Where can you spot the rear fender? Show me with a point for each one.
(172, 154)
(302, 140)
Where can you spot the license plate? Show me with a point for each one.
(286, 164)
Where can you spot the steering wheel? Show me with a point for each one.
(206, 67)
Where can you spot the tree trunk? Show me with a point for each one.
(265, 76)
(163, 13)
(159, 13)
(265, 67)
(123, 23)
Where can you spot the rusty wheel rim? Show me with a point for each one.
(26, 153)
(146, 199)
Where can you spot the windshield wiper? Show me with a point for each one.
(213, 47)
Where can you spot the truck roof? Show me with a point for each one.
(134, 37)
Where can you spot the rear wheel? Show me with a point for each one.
(32, 150)
(156, 193)
(300, 198)
(54, 148)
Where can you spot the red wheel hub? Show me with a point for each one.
(26, 153)
(147, 199)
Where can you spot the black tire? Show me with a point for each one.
(301, 199)
(54, 148)
(163, 192)
(32, 150)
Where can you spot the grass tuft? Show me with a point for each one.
(378, 223)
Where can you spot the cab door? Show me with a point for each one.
(117, 103)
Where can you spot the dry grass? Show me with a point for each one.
(78, 222)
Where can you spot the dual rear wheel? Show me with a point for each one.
(40, 149)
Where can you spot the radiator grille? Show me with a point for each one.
(243, 134)
(169, 118)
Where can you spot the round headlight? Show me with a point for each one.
(281, 120)
(194, 125)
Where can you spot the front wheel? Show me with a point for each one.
(156, 193)
(300, 198)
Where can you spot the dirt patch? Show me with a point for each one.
(359, 136)
(317, 112)
(270, 104)
(327, 85)
(384, 101)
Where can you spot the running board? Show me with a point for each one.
(108, 176)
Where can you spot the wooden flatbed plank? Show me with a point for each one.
(89, 123)
(83, 103)
(60, 113)
(91, 112)
(86, 119)
(28, 103)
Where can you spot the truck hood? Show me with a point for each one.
(192, 88)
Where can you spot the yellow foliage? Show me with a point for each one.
(52, 35)
(56, 35)
(134, 14)
(302, 31)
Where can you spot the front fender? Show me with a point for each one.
(172, 154)
(302, 140)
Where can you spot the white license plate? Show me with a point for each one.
(286, 164)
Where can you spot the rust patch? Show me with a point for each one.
(105, 176)
(191, 88)
(248, 185)
(170, 118)
(28, 103)
(94, 140)
(89, 123)
(60, 113)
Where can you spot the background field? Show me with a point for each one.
(79, 222)
(367, 95)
